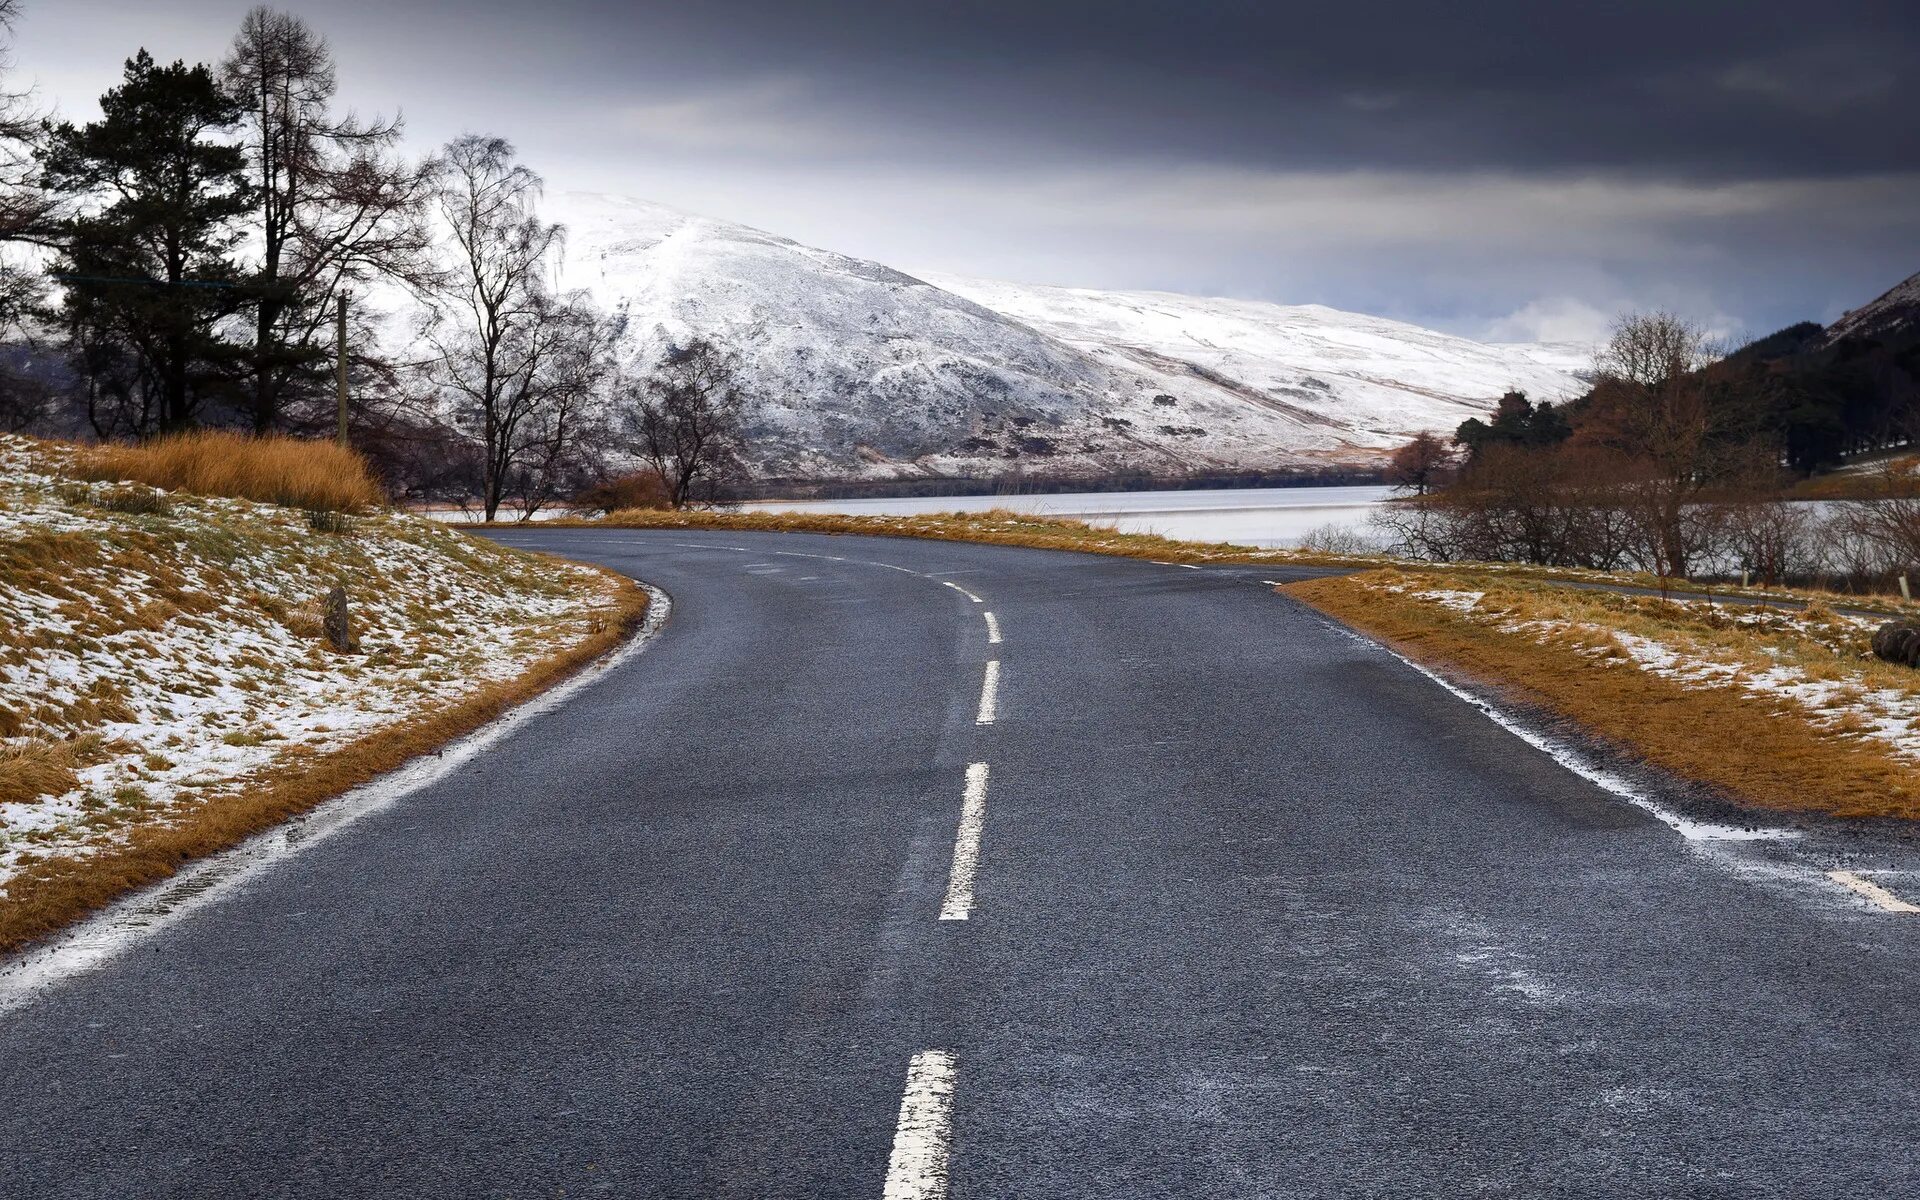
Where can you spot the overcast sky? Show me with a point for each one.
(1507, 170)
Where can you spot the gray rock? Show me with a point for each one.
(338, 623)
(1898, 642)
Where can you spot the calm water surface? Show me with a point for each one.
(1249, 516)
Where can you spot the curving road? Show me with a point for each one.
(1201, 897)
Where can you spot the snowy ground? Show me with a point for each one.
(1816, 660)
(151, 662)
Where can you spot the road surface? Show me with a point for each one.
(1154, 883)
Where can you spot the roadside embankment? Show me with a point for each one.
(169, 683)
(1782, 709)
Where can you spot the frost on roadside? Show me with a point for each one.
(154, 661)
(1816, 661)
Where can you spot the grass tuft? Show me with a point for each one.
(322, 477)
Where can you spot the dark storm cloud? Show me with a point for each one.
(1516, 170)
(1693, 89)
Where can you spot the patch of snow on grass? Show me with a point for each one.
(172, 656)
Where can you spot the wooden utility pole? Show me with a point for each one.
(340, 367)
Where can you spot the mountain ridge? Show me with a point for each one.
(864, 371)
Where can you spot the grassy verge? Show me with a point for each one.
(1780, 711)
(1004, 527)
(1001, 527)
(185, 664)
(47, 894)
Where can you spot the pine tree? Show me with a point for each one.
(148, 266)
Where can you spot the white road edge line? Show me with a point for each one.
(993, 629)
(989, 693)
(120, 926)
(1573, 760)
(922, 1139)
(1872, 891)
(966, 846)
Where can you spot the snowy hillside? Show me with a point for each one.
(1894, 314)
(1379, 380)
(867, 372)
(162, 658)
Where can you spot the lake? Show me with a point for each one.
(1248, 516)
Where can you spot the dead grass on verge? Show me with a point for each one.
(999, 526)
(314, 475)
(48, 894)
(1005, 527)
(1765, 752)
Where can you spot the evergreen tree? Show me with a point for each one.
(148, 265)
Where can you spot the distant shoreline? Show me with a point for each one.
(897, 489)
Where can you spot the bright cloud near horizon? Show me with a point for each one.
(1512, 171)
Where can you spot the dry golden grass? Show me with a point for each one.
(1005, 527)
(1000, 527)
(50, 893)
(1763, 752)
(314, 475)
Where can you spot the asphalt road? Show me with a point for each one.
(1257, 910)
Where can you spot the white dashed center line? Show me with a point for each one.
(964, 592)
(917, 1169)
(989, 693)
(1872, 891)
(993, 630)
(966, 846)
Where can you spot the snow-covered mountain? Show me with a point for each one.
(1895, 314)
(865, 372)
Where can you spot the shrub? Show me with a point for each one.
(318, 476)
(641, 489)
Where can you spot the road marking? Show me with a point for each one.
(917, 1169)
(1872, 891)
(993, 630)
(989, 693)
(1188, 566)
(966, 846)
(99, 939)
(1272, 583)
(964, 592)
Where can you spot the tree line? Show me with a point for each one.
(1669, 465)
(185, 259)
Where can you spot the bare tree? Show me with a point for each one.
(689, 423)
(518, 361)
(335, 207)
(1650, 405)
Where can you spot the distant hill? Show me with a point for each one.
(1894, 318)
(1848, 388)
(868, 373)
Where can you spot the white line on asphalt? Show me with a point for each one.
(993, 630)
(989, 693)
(1271, 582)
(1872, 891)
(964, 592)
(966, 846)
(917, 1170)
(1577, 762)
(120, 926)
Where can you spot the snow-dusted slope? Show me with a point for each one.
(1380, 380)
(863, 371)
(1896, 313)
